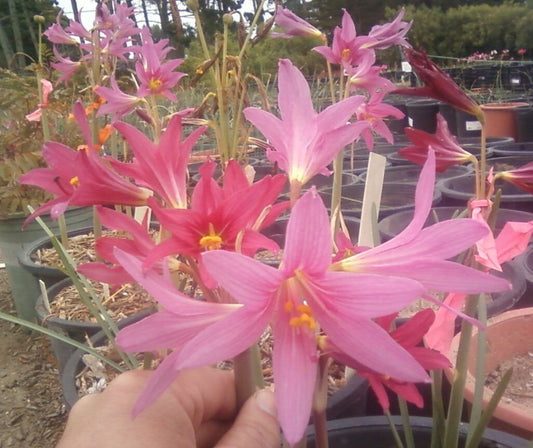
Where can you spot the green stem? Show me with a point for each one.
(253, 25)
(395, 434)
(248, 374)
(437, 431)
(408, 430)
(483, 162)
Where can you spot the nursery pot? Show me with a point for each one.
(411, 173)
(24, 286)
(395, 197)
(508, 335)
(422, 114)
(524, 119)
(521, 149)
(457, 191)
(500, 119)
(375, 432)
(50, 275)
(74, 329)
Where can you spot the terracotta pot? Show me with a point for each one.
(501, 119)
(508, 335)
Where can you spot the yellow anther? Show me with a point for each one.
(306, 319)
(346, 54)
(74, 181)
(155, 84)
(211, 241)
(288, 306)
(295, 322)
(322, 342)
(304, 309)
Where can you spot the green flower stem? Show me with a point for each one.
(248, 374)
(408, 430)
(437, 431)
(253, 25)
(455, 407)
(395, 434)
(483, 162)
(477, 403)
(321, 430)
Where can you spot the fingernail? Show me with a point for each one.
(266, 401)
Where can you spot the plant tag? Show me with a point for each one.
(368, 235)
(473, 125)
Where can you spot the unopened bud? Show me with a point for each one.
(38, 19)
(227, 19)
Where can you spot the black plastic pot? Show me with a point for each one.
(422, 114)
(395, 197)
(48, 274)
(449, 114)
(524, 118)
(466, 125)
(520, 149)
(457, 191)
(73, 329)
(375, 432)
(410, 173)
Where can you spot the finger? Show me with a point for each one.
(256, 425)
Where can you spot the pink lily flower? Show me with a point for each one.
(521, 177)
(47, 90)
(66, 66)
(117, 103)
(293, 25)
(374, 111)
(422, 253)
(409, 336)
(298, 299)
(347, 49)
(160, 167)
(389, 34)
(305, 142)
(221, 217)
(443, 143)
(366, 76)
(57, 34)
(156, 77)
(438, 85)
(139, 243)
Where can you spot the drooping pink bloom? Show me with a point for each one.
(156, 76)
(366, 76)
(66, 66)
(80, 177)
(293, 25)
(409, 336)
(138, 243)
(390, 34)
(422, 253)
(521, 177)
(57, 34)
(347, 49)
(305, 142)
(47, 90)
(161, 167)
(438, 85)
(117, 103)
(221, 217)
(299, 299)
(374, 111)
(447, 150)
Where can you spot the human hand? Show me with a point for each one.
(197, 410)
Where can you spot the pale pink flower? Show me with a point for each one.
(298, 299)
(293, 25)
(305, 142)
(117, 102)
(389, 34)
(47, 89)
(64, 65)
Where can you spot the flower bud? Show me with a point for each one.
(227, 19)
(38, 19)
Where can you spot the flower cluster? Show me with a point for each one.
(327, 297)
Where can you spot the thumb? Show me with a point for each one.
(256, 426)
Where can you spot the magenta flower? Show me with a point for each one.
(221, 217)
(304, 142)
(117, 103)
(57, 34)
(366, 76)
(156, 77)
(160, 167)
(409, 336)
(293, 25)
(422, 254)
(347, 49)
(443, 143)
(299, 299)
(374, 111)
(138, 243)
(438, 85)
(521, 177)
(66, 66)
